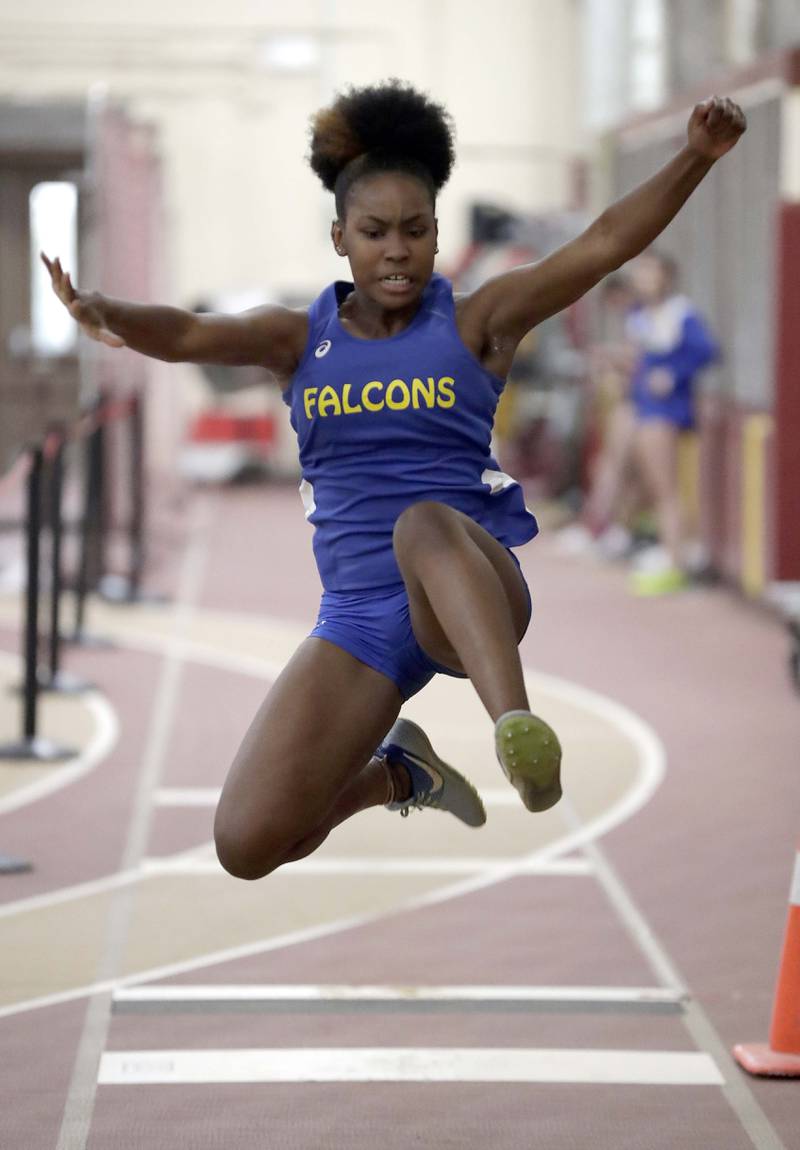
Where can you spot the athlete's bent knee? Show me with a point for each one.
(422, 524)
(242, 858)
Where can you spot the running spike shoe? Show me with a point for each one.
(434, 783)
(530, 754)
(651, 583)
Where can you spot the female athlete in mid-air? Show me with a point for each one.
(392, 385)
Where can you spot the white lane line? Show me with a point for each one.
(70, 893)
(736, 1090)
(651, 758)
(649, 747)
(650, 751)
(187, 796)
(438, 1064)
(102, 742)
(209, 797)
(86, 889)
(206, 654)
(366, 866)
(298, 992)
(79, 1108)
(266, 945)
(188, 863)
(194, 862)
(294, 938)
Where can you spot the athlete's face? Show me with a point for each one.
(389, 237)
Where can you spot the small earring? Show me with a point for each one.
(340, 251)
(436, 250)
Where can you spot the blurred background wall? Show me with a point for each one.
(229, 89)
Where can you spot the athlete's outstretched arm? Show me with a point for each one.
(270, 337)
(513, 303)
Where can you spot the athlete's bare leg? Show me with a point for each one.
(657, 456)
(468, 602)
(612, 468)
(306, 762)
(469, 609)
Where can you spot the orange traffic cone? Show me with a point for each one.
(782, 1057)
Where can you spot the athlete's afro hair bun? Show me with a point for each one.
(391, 122)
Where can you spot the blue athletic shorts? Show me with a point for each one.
(375, 627)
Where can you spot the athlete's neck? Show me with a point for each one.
(367, 319)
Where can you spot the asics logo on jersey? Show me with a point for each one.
(322, 348)
(397, 395)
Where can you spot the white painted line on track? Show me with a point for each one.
(187, 797)
(651, 756)
(209, 797)
(78, 1110)
(264, 946)
(291, 938)
(650, 751)
(367, 866)
(194, 861)
(651, 759)
(86, 889)
(409, 1064)
(735, 1089)
(652, 766)
(298, 992)
(104, 737)
(205, 654)
(70, 893)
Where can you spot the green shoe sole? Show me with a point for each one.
(530, 754)
(648, 584)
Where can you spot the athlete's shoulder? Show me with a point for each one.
(317, 319)
(438, 298)
(439, 285)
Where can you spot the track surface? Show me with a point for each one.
(565, 980)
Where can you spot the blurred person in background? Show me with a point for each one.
(393, 385)
(674, 345)
(614, 489)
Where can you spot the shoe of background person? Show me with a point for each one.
(529, 752)
(616, 542)
(434, 783)
(575, 539)
(652, 558)
(666, 581)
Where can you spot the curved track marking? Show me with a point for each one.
(651, 758)
(89, 888)
(106, 733)
(650, 752)
(651, 765)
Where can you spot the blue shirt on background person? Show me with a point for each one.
(675, 345)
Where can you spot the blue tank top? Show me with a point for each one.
(384, 423)
(670, 335)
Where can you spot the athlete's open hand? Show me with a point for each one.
(80, 305)
(715, 126)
